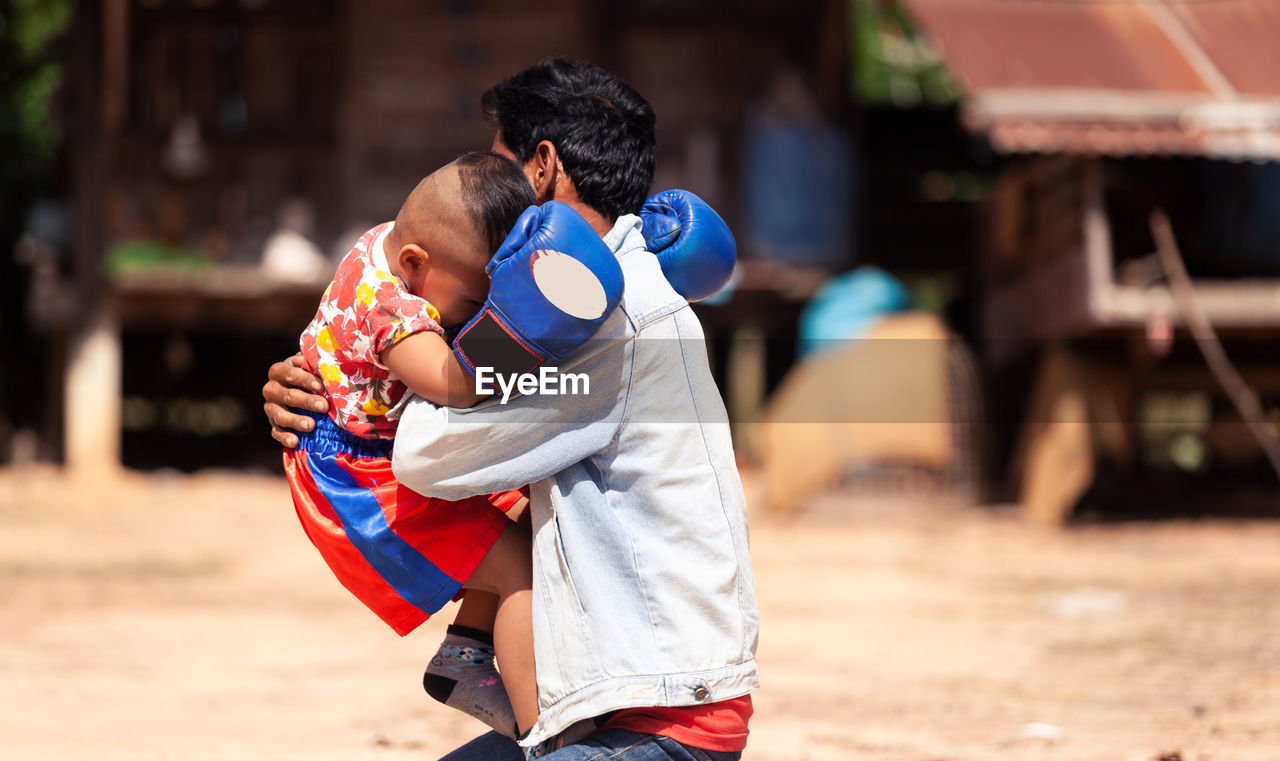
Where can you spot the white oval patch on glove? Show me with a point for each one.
(568, 284)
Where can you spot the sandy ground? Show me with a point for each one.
(188, 618)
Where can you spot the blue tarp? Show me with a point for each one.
(846, 307)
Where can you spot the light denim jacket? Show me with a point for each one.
(643, 591)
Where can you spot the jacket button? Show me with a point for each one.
(701, 693)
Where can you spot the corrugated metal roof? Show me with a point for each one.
(1115, 77)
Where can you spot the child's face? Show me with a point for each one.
(442, 259)
(456, 286)
(458, 290)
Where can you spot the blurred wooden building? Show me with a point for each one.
(198, 126)
(193, 125)
(1105, 111)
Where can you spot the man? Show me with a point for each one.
(645, 619)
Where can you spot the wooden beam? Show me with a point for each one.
(1238, 304)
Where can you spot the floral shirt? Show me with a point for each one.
(363, 311)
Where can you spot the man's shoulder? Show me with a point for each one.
(647, 296)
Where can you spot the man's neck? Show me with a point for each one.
(599, 222)
(566, 193)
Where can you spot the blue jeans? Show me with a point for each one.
(611, 744)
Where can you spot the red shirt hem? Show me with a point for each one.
(720, 727)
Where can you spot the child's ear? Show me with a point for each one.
(414, 260)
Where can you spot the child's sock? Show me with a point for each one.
(462, 676)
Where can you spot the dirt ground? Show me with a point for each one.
(158, 617)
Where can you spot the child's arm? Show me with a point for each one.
(427, 365)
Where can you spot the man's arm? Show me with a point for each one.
(288, 385)
(491, 447)
(549, 317)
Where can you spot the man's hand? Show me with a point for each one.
(288, 385)
(693, 244)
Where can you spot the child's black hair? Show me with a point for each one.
(495, 191)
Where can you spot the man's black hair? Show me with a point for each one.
(495, 191)
(602, 129)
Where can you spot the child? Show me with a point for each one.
(379, 332)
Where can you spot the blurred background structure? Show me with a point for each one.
(948, 275)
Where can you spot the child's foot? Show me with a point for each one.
(462, 676)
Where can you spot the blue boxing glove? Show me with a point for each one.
(552, 284)
(693, 244)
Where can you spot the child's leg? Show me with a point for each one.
(477, 611)
(462, 674)
(507, 571)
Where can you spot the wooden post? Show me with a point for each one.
(1098, 257)
(92, 398)
(745, 375)
(91, 381)
(115, 63)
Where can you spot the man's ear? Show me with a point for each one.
(546, 171)
(414, 261)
